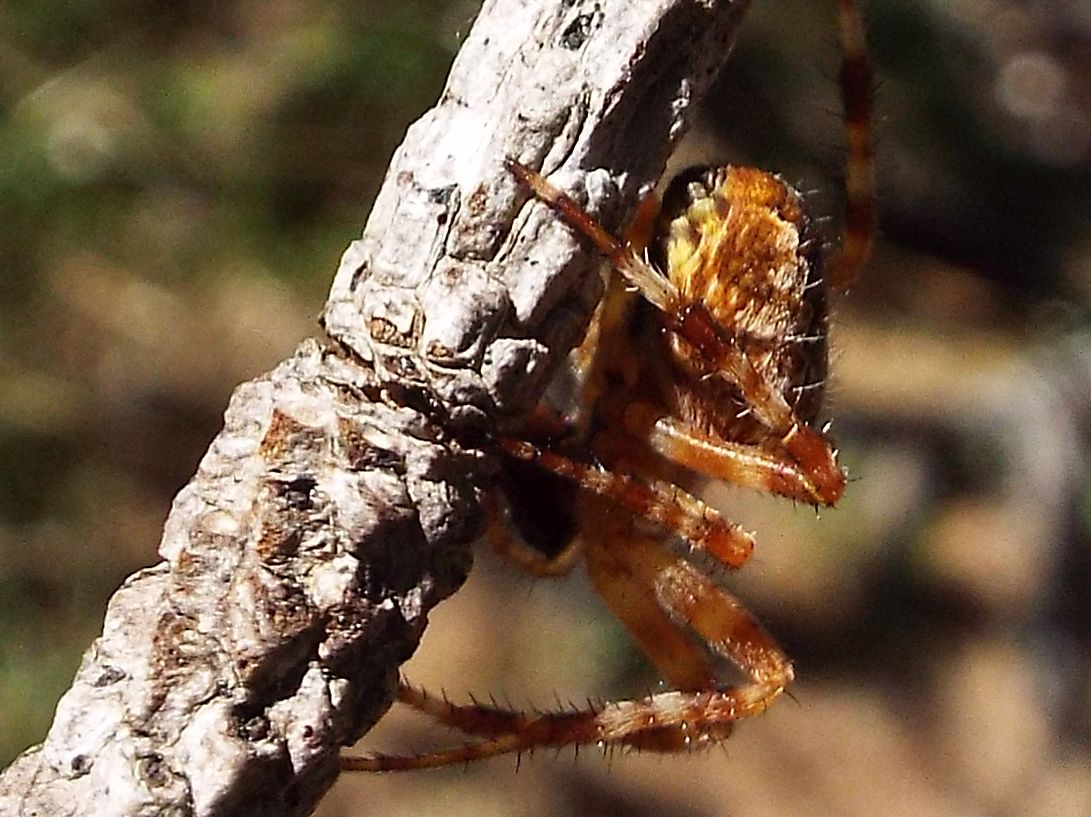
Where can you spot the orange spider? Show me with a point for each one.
(709, 357)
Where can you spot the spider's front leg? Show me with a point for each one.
(658, 501)
(764, 468)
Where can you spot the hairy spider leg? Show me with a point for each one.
(697, 714)
(611, 315)
(623, 565)
(685, 623)
(741, 464)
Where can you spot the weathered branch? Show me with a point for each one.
(338, 504)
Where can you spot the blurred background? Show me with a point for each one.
(177, 183)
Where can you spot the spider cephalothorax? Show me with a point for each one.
(706, 357)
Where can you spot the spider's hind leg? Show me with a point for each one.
(857, 96)
(659, 597)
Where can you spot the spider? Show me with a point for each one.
(707, 356)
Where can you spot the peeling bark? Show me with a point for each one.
(338, 504)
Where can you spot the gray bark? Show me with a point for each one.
(338, 504)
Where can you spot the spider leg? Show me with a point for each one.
(638, 235)
(611, 317)
(702, 526)
(614, 310)
(692, 716)
(860, 220)
(751, 466)
(682, 598)
(506, 731)
(653, 286)
(724, 358)
(623, 566)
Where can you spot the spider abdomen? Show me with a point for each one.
(739, 241)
